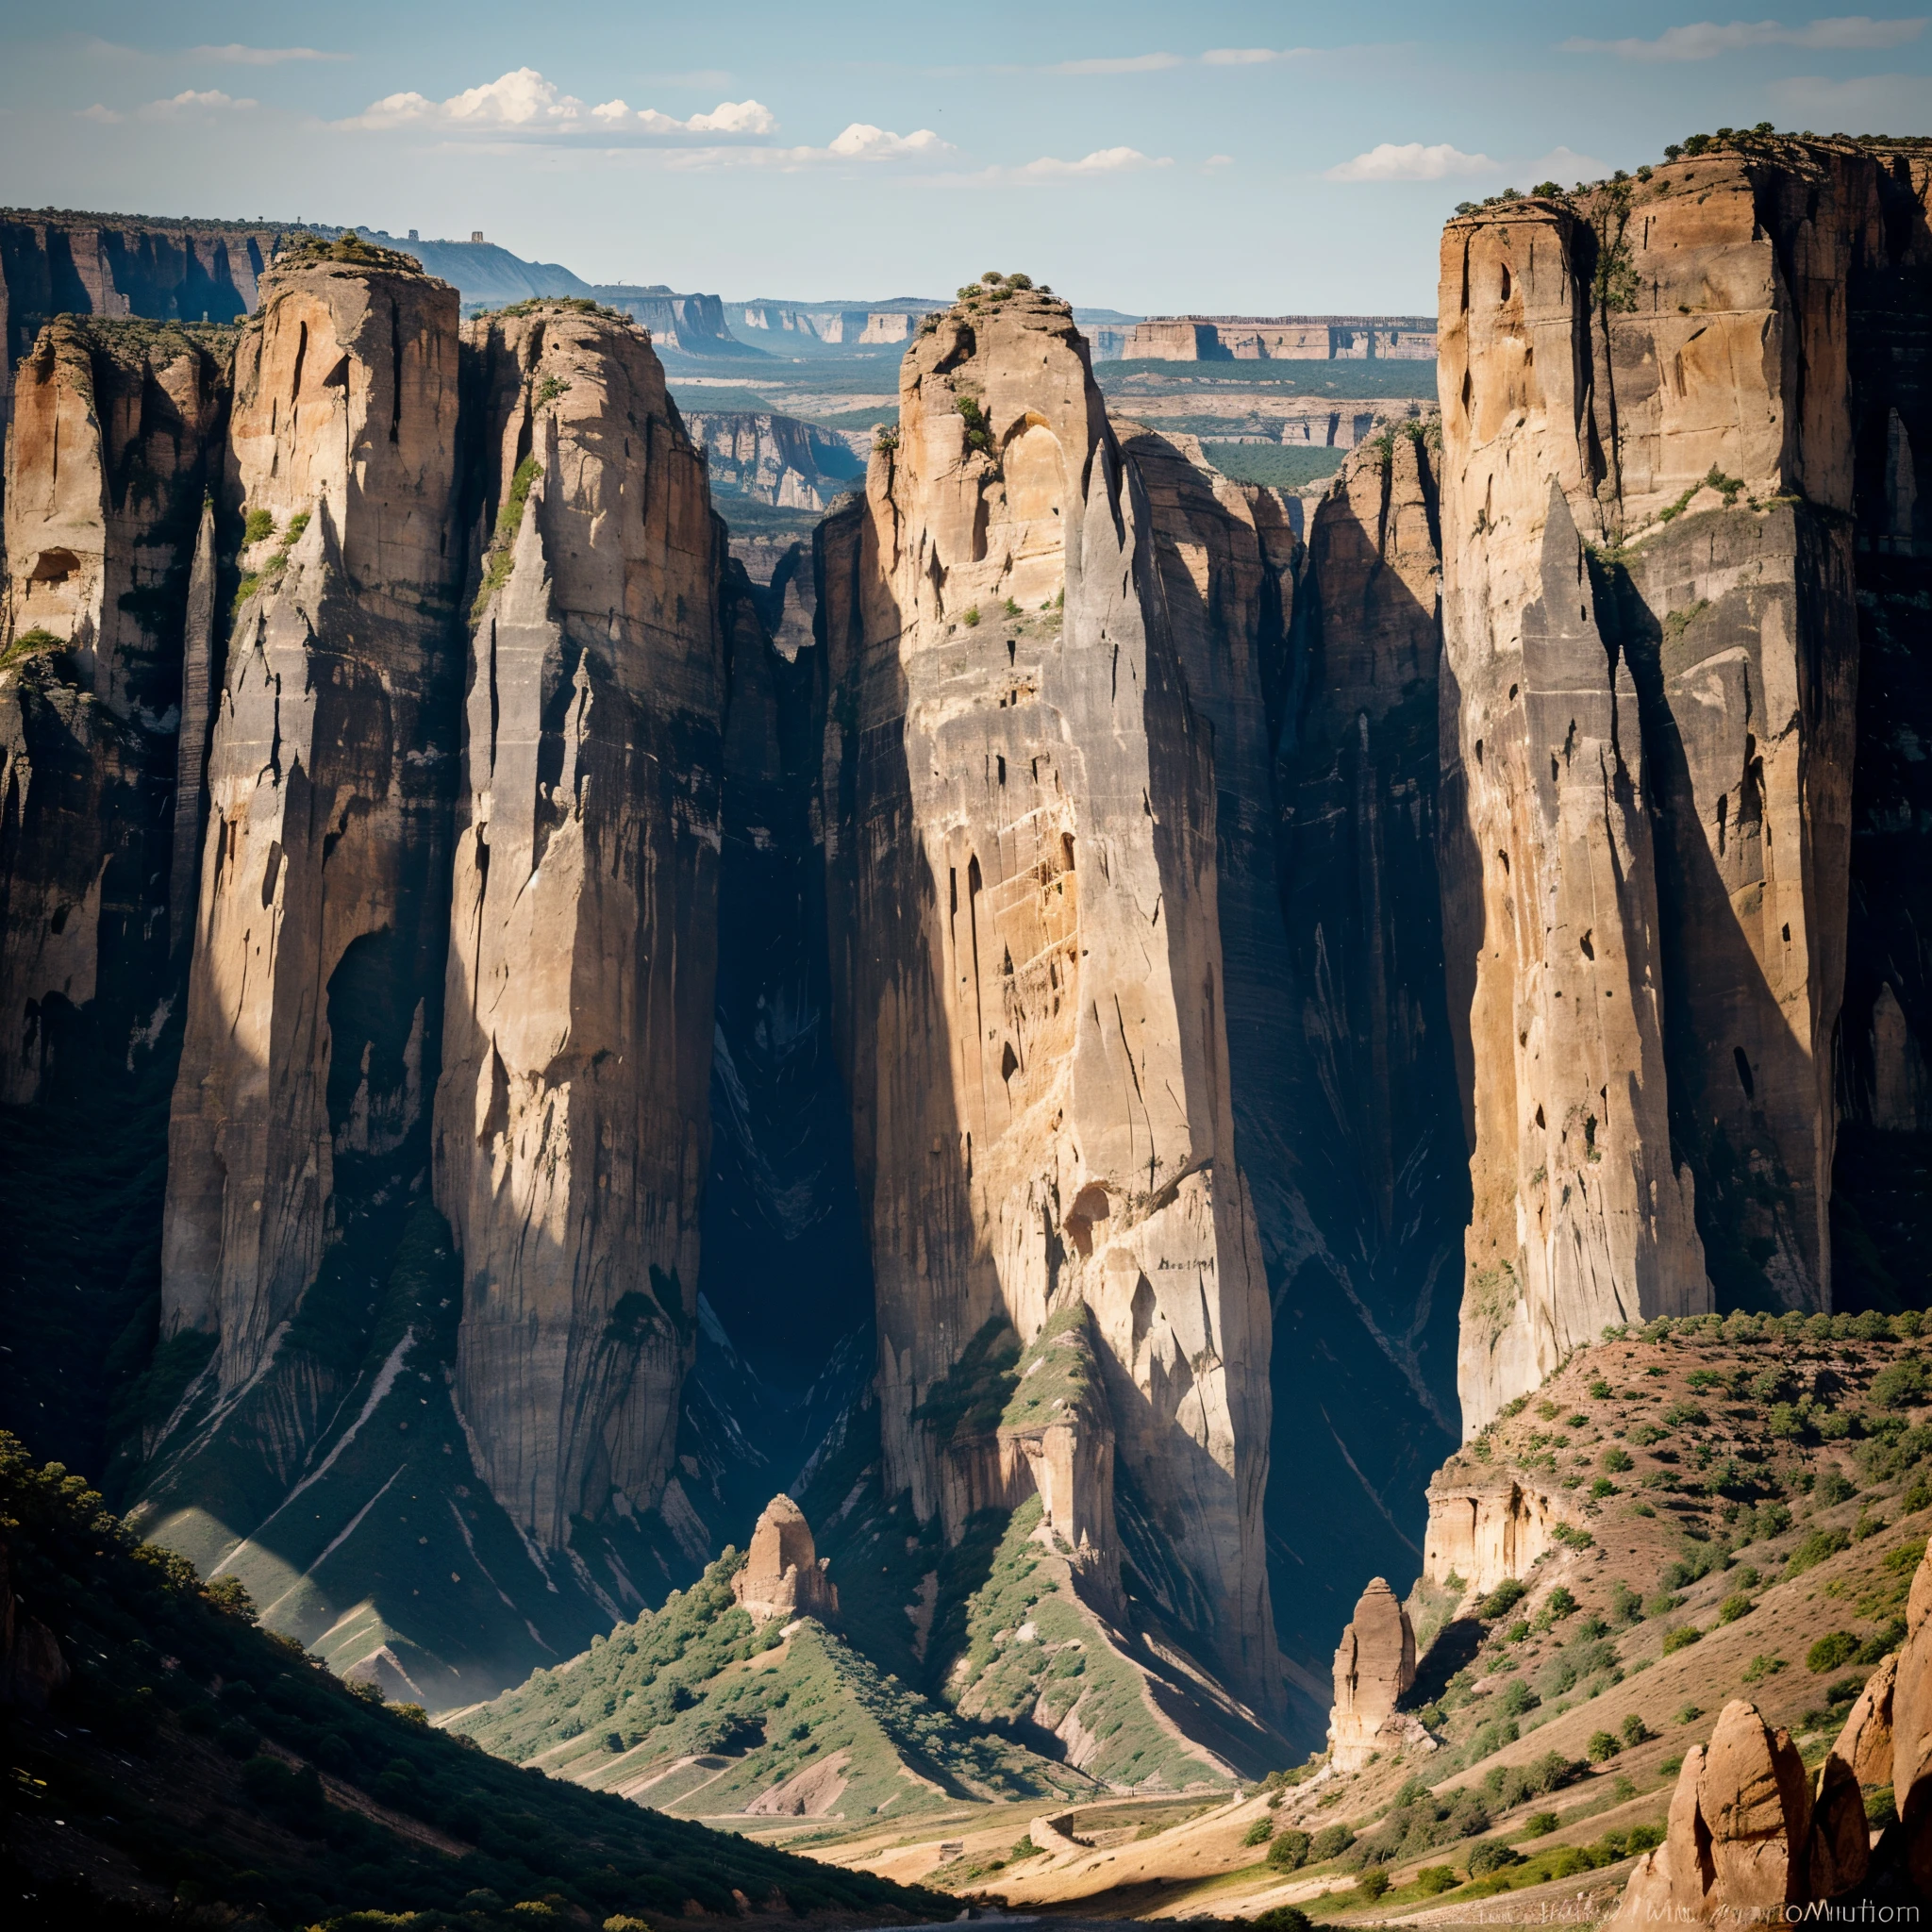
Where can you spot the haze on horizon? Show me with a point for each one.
(1242, 157)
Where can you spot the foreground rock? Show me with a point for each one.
(1751, 1834)
(1374, 1667)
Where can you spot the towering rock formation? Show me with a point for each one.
(318, 947)
(1020, 797)
(783, 1574)
(1649, 625)
(1374, 1667)
(572, 1121)
(114, 444)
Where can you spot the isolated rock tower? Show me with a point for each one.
(784, 1575)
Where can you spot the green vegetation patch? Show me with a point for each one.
(351, 250)
(1276, 465)
(1057, 1377)
(29, 644)
(192, 1745)
(1033, 1655)
(501, 559)
(971, 1398)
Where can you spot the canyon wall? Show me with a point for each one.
(1651, 641)
(319, 937)
(1019, 810)
(105, 638)
(1281, 338)
(572, 1125)
(776, 459)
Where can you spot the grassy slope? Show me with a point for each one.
(696, 1709)
(195, 1758)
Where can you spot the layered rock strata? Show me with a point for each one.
(1650, 632)
(1484, 1531)
(572, 1121)
(784, 1575)
(1020, 808)
(114, 446)
(1375, 1666)
(312, 1000)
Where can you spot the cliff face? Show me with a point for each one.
(776, 459)
(1650, 741)
(1020, 807)
(114, 444)
(572, 1129)
(319, 944)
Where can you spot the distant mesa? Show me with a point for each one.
(1282, 339)
(784, 1577)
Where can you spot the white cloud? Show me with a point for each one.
(1106, 160)
(105, 116)
(1705, 40)
(1410, 162)
(210, 101)
(1251, 56)
(1561, 164)
(1131, 63)
(236, 55)
(1218, 161)
(863, 141)
(523, 101)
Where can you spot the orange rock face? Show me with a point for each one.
(782, 1577)
(1374, 1665)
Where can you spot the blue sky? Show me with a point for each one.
(1231, 156)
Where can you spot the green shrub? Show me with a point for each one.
(1682, 1637)
(1734, 1606)
(1815, 1549)
(1626, 1607)
(1635, 1731)
(1432, 1879)
(259, 523)
(1763, 1666)
(1901, 1386)
(1539, 1824)
(1501, 1600)
(1493, 1855)
(1259, 1832)
(1330, 1843)
(1831, 1652)
(549, 390)
(1601, 1747)
(1289, 1850)
(1617, 1461)
(1283, 1918)
(970, 617)
(1373, 1883)
(623, 1921)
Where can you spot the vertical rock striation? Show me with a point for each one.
(572, 1121)
(318, 958)
(1649, 628)
(1374, 1667)
(113, 446)
(1019, 798)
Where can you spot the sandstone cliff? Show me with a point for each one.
(775, 458)
(1019, 807)
(1374, 1667)
(782, 1575)
(114, 446)
(1651, 635)
(572, 1122)
(320, 939)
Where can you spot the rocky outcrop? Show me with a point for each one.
(1484, 1531)
(313, 996)
(1374, 1667)
(571, 1119)
(114, 446)
(1750, 1835)
(1020, 812)
(775, 458)
(784, 1576)
(683, 325)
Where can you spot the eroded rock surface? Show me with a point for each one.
(323, 916)
(1020, 806)
(783, 1576)
(572, 1128)
(1373, 1666)
(115, 442)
